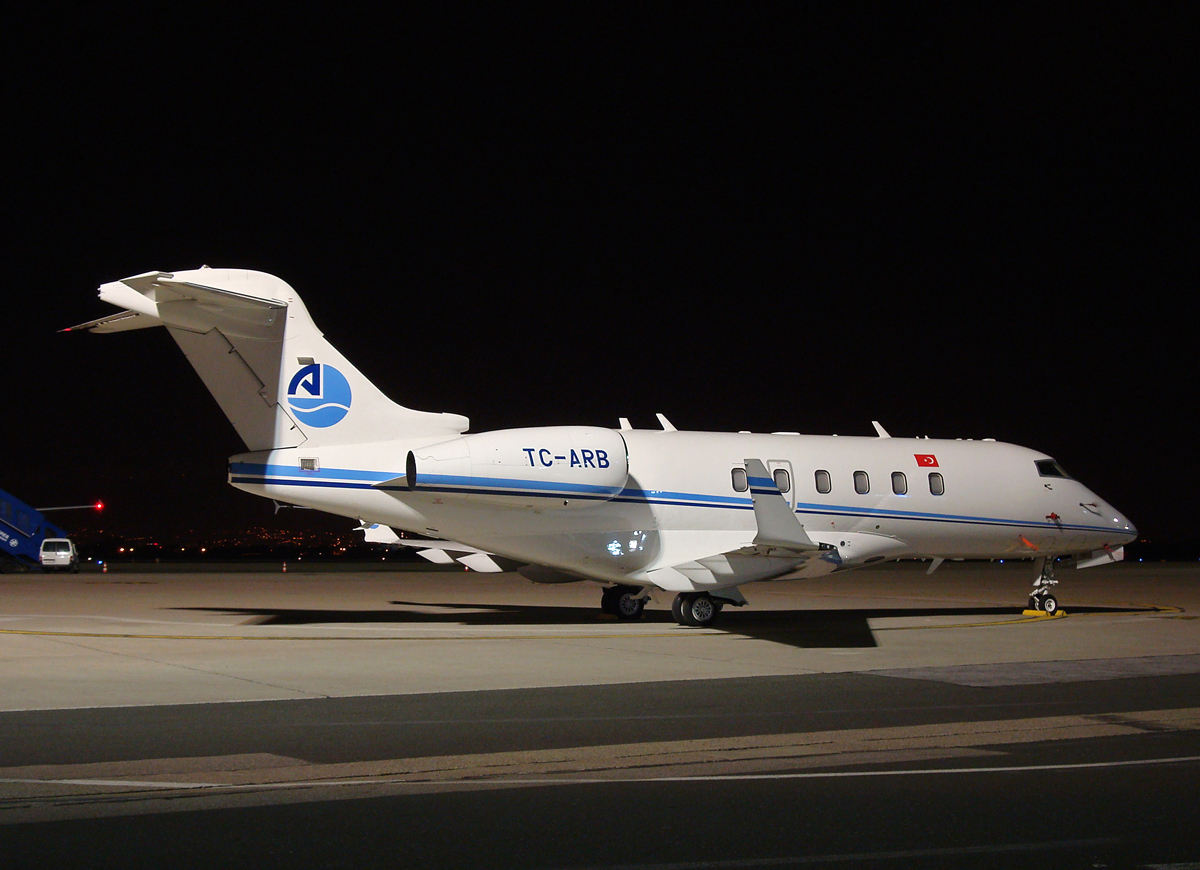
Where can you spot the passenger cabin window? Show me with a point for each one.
(1050, 468)
(899, 483)
(824, 484)
(741, 483)
(937, 486)
(862, 483)
(783, 480)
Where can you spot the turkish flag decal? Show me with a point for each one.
(926, 460)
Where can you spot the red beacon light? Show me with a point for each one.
(99, 505)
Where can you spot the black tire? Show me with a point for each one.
(1049, 605)
(700, 610)
(677, 609)
(629, 603)
(608, 600)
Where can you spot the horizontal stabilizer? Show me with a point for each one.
(187, 301)
(122, 322)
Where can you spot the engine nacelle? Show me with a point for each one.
(552, 467)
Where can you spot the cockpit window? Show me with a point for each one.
(1050, 468)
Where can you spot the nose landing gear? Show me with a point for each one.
(1041, 598)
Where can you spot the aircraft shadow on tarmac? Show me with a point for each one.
(810, 629)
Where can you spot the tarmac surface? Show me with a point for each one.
(384, 718)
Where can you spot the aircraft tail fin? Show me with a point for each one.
(251, 339)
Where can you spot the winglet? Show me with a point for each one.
(883, 433)
(778, 527)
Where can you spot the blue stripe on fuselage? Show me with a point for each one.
(343, 478)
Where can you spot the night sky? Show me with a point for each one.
(956, 221)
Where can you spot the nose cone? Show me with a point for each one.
(1106, 521)
(1123, 531)
(1127, 532)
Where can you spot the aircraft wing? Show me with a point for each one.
(781, 548)
(745, 565)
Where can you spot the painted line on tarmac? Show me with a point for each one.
(114, 783)
(843, 774)
(1164, 610)
(597, 780)
(807, 754)
(1029, 616)
(1023, 620)
(309, 637)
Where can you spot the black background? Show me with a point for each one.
(957, 221)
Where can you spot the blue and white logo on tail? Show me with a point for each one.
(319, 395)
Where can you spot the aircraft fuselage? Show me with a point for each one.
(867, 499)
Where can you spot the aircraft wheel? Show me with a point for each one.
(629, 603)
(677, 608)
(1049, 605)
(699, 609)
(608, 600)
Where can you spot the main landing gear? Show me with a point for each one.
(691, 609)
(624, 602)
(695, 609)
(1041, 598)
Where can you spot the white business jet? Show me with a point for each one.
(698, 514)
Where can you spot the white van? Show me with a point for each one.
(59, 554)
